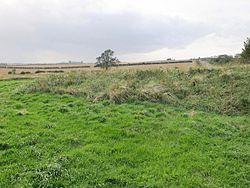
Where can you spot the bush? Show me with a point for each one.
(222, 59)
(51, 71)
(245, 55)
(39, 71)
(25, 72)
(56, 71)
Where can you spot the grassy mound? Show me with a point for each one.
(224, 90)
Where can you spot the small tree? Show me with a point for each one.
(106, 59)
(245, 55)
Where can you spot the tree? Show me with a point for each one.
(106, 59)
(245, 55)
(221, 59)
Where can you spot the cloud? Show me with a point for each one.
(198, 48)
(125, 33)
(59, 30)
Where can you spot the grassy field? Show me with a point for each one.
(4, 72)
(222, 90)
(60, 138)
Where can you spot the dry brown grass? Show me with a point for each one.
(4, 72)
(224, 90)
(183, 66)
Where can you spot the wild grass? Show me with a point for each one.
(223, 90)
(59, 140)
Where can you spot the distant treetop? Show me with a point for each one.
(245, 55)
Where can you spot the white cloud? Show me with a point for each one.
(58, 30)
(206, 46)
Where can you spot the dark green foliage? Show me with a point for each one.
(4, 146)
(106, 59)
(245, 55)
(224, 90)
(23, 72)
(104, 144)
(39, 71)
(49, 71)
(222, 59)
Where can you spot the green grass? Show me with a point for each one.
(222, 90)
(52, 140)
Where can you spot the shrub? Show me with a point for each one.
(25, 72)
(39, 71)
(245, 55)
(51, 71)
(222, 59)
(56, 71)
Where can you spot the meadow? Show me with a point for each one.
(127, 128)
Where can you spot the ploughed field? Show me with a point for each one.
(21, 71)
(53, 137)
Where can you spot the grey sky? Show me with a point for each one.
(35, 31)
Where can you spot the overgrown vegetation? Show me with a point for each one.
(50, 71)
(25, 72)
(50, 140)
(245, 55)
(221, 59)
(224, 90)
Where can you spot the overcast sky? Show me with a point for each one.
(38, 31)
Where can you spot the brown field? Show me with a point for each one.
(49, 68)
(183, 66)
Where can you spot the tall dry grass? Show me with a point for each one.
(224, 90)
